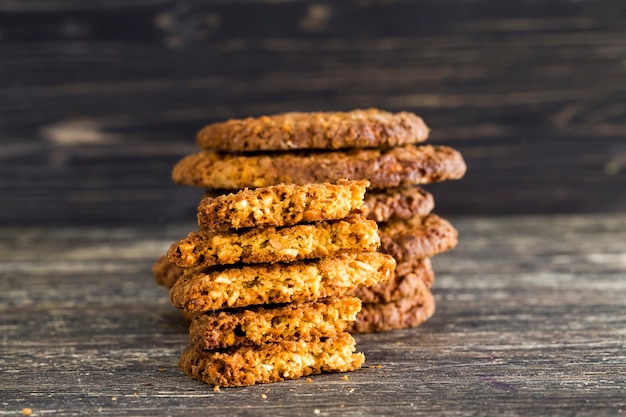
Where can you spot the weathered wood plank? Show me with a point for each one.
(530, 320)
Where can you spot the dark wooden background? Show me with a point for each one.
(100, 98)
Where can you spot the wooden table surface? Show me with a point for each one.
(530, 320)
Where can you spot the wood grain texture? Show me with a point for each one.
(98, 100)
(530, 321)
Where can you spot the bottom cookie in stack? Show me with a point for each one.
(271, 362)
(264, 344)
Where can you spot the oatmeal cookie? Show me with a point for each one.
(369, 128)
(258, 325)
(281, 205)
(409, 279)
(418, 237)
(399, 166)
(380, 205)
(199, 289)
(405, 282)
(398, 203)
(271, 362)
(275, 244)
(400, 314)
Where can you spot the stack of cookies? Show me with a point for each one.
(302, 149)
(266, 279)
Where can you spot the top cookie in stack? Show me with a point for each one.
(324, 130)
(383, 148)
(319, 147)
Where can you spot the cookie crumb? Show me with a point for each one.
(161, 370)
(113, 398)
(216, 388)
(27, 411)
(263, 397)
(345, 377)
(309, 380)
(316, 411)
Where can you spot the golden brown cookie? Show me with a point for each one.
(398, 203)
(275, 244)
(271, 362)
(258, 325)
(409, 279)
(282, 205)
(400, 314)
(405, 282)
(399, 166)
(380, 205)
(418, 237)
(199, 290)
(369, 128)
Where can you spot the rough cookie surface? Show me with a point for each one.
(406, 281)
(321, 130)
(325, 318)
(400, 314)
(271, 362)
(283, 204)
(399, 166)
(398, 203)
(271, 244)
(380, 205)
(199, 290)
(416, 238)
(409, 279)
